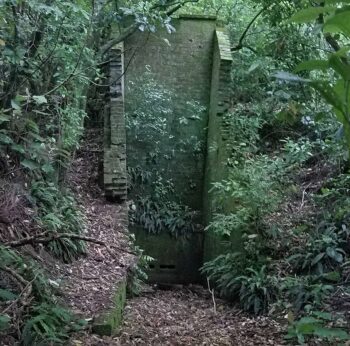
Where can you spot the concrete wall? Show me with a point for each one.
(114, 162)
(176, 259)
(181, 66)
(182, 63)
(217, 154)
(190, 76)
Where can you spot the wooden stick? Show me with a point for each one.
(212, 296)
(47, 237)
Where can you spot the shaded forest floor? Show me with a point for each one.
(186, 317)
(183, 316)
(158, 317)
(90, 282)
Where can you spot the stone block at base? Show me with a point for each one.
(110, 322)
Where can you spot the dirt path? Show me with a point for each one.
(186, 317)
(175, 317)
(89, 284)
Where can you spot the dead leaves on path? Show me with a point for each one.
(186, 317)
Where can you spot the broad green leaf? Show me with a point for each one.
(21, 98)
(15, 105)
(339, 66)
(307, 320)
(317, 258)
(39, 99)
(311, 13)
(331, 333)
(19, 148)
(36, 136)
(324, 315)
(342, 91)
(306, 328)
(331, 252)
(32, 126)
(339, 257)
(342, 52)
(47, 168)
(289, 77)
(329, 94)
(332, 276)
(4, 321)
(339, 23)
(31, 165)
(4, 118)
(5, 139)
(254, 66)
(312, 65)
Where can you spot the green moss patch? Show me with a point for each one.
(110, 322)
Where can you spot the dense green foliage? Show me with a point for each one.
(51, 54)
(287, 186)
(289, 140)
(157, 206)
(46, 62)
(47, 322)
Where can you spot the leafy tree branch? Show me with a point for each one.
(175, 6)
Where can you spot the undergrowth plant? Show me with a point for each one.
(157, 216)
(39, 316)
(59, 213)
(49, 324)
(137, 275)
(319, 325)
(283, 146)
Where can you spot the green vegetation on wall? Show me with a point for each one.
(167, 114)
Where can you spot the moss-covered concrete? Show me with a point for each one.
(176, 259)
(217, 154)
(180, 62)
(194, 65)
(110, 322)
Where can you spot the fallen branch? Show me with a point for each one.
(303, 197)
(19, 278)
(239, 46)
(48, 237)
(26, 286)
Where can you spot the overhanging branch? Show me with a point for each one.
(175, 6)
(245, 32)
